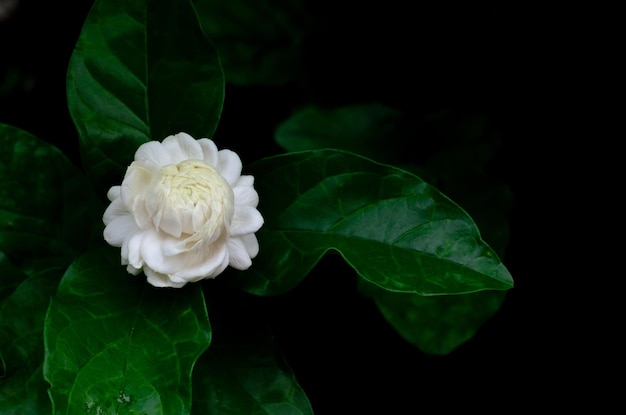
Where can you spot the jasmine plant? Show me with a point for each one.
(123, 279)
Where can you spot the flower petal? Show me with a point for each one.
(152, 254)
(171, 246)
(190, 240)
(196, 263)
(251, 243)
(114, 193)
(218, 269)
(114, 210)
(161, 280)
(246, 219)
(238, 254)
(198, 215)
(124, 253)
(132, 270)
(204, 263)
(229, 166)
(136, 181)
(245, 180)
(209, 149)
(134, 250)
(120, 229)
(245, 196)
(171, 222)
(183, 147)
(154, 152)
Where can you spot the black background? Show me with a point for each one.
(502, 62)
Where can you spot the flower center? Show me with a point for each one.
(194, 200)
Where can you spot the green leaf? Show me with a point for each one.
(260, 41)
(371, 130)
(247, 378)
(25, 393)
(116, 344)
(436, 325)
(140, 71)
(454, 150)
(393, 228)
(22, 387)
(47, 216)
(465, 146)
(244, 371)
(11, 277)
(46, 205)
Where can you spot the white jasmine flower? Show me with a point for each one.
(183, 212)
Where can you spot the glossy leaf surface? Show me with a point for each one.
(397, 231)
(22, 386)
(46, 204)
(454, 153)
(465, 144)
(46, 217)
(140, 71)
(244, 371)
(116, 344)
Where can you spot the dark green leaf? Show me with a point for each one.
(490, 206)
(244, 371)
(22, 386)
(455, 150)
(47, 213)
(25, 393)
(436, 325)
(246, 378)
(259, 41)
(46, 205)
(11, 277)
(465, 146)
(141, 70)
(115, 344)
(371, 130)
(397, 231)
